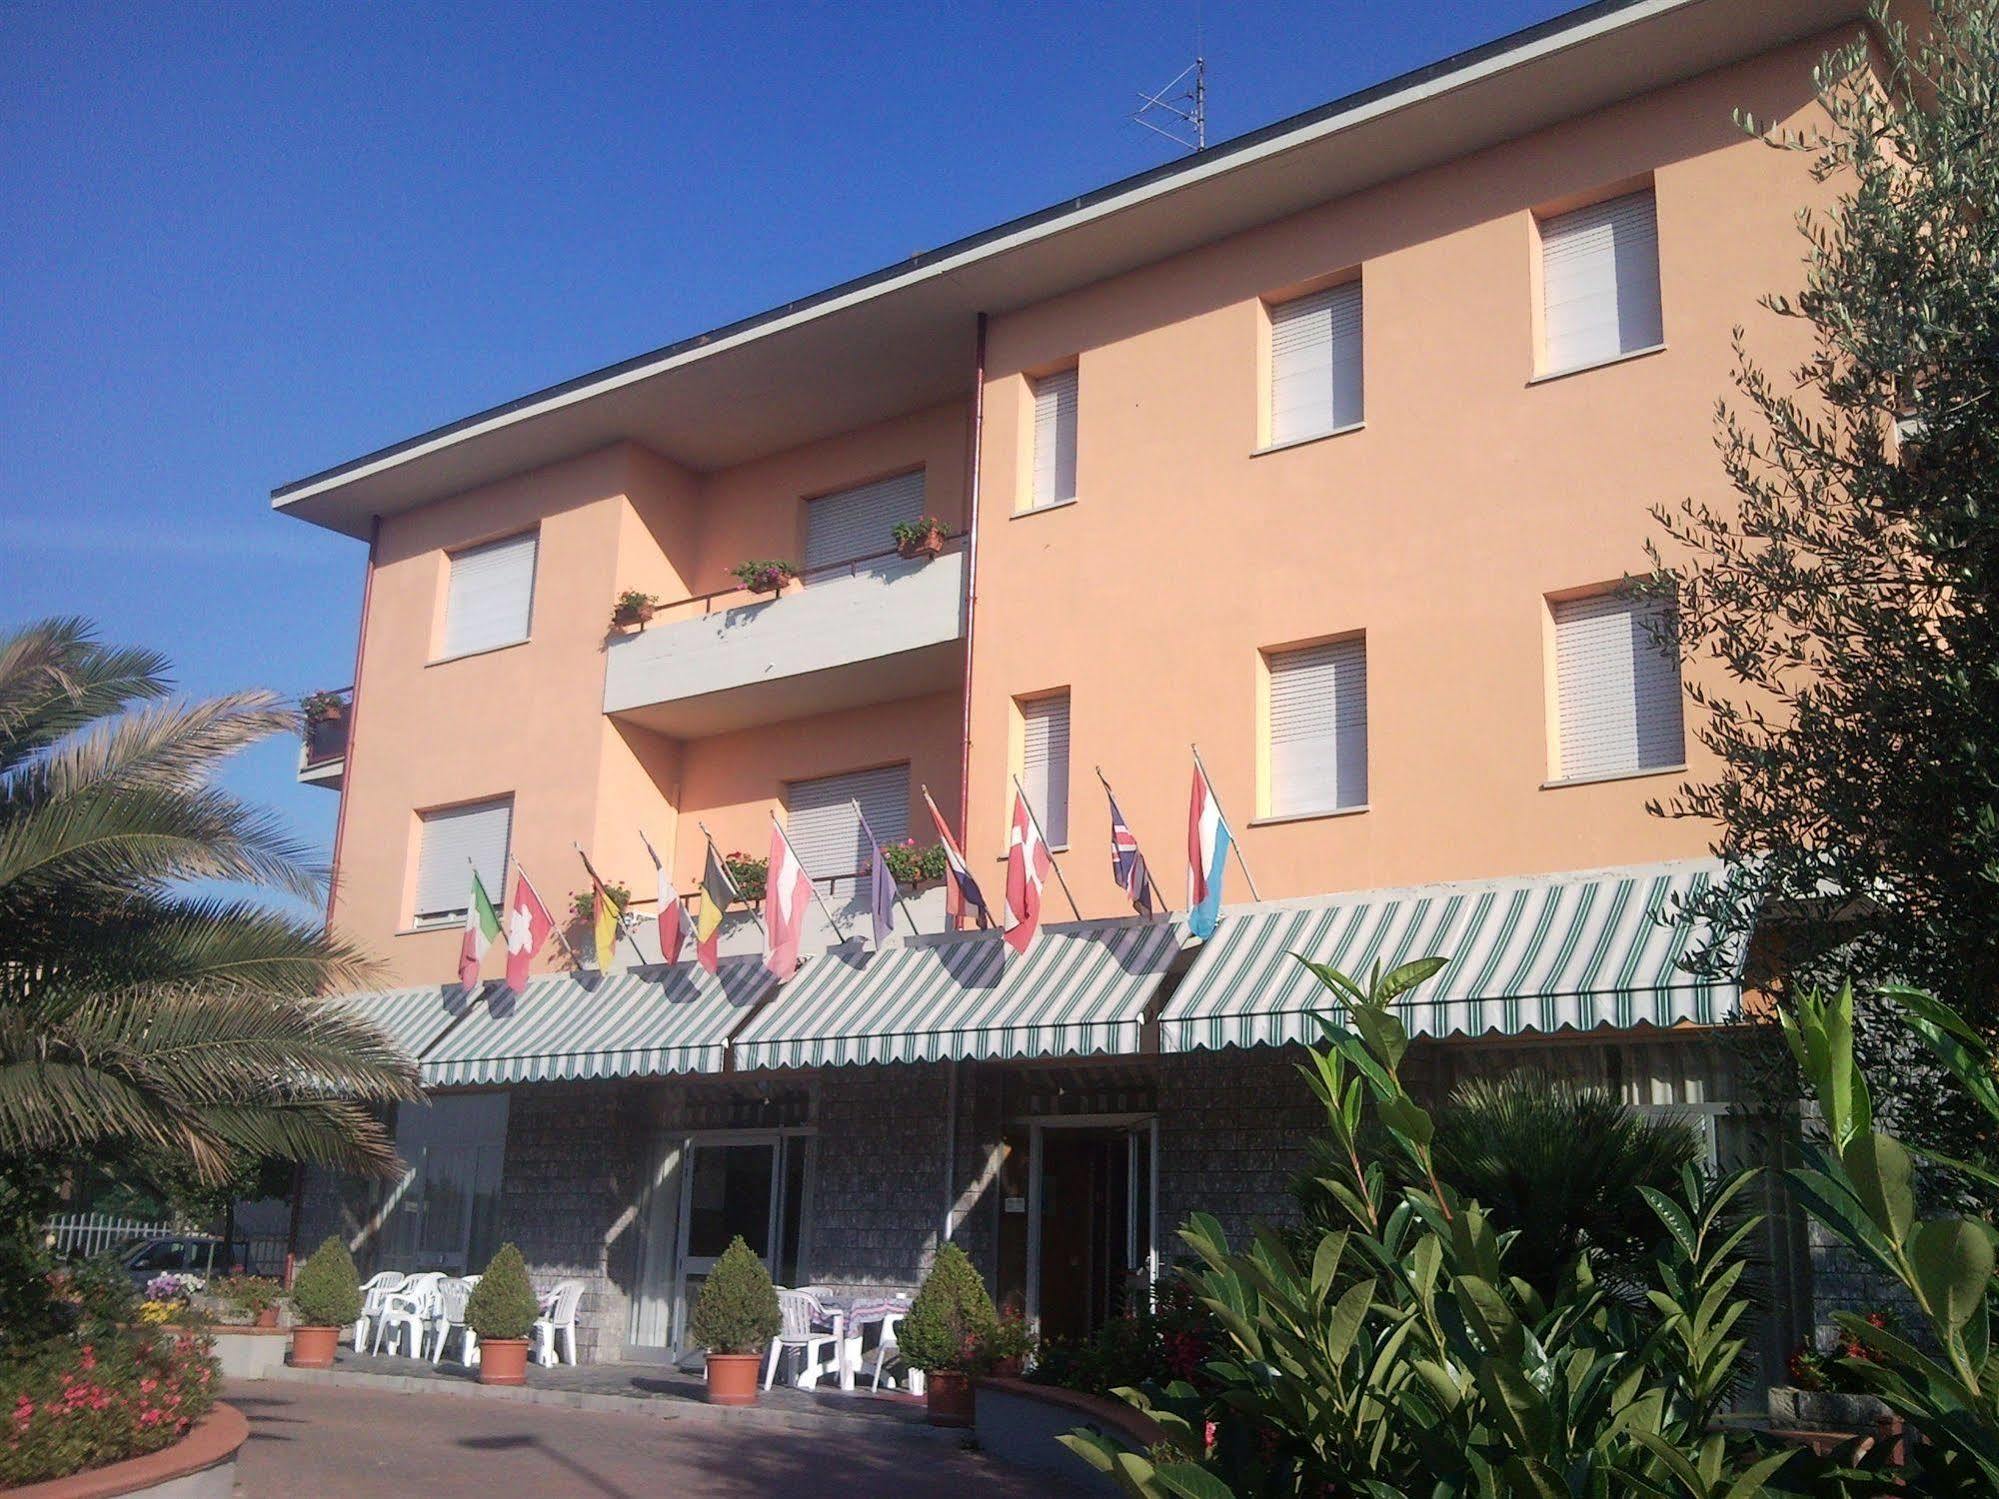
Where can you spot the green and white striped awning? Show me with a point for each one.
(412, 1018)
(642, 1023)
(1581, 951)
(1080, 989)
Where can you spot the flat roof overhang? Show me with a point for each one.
(902, 338)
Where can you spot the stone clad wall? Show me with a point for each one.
(1232, 1131)
(878, 1177)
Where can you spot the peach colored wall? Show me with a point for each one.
(1437, 530)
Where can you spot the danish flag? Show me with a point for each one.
(1027, 866)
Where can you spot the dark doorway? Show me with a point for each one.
(1095, 1228)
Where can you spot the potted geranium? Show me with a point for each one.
(919, 538)
(502, 1310)
(735, 1317)
(943, 1335)
(912, 864)
(633, 608)
(749, 874)
(326, 1296)
(254, 1296)
(764, 576)
(1005, 1350)
(322, 707)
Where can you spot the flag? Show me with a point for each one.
(963, 895)
(672, 929)
(1026, 873)
(881, 886)
(482, 925)
(1127, 863)
(1207, 856)
(528, 928)
(717, 890)
(607, 916)
(787, 894)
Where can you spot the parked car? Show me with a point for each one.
(183, 1254)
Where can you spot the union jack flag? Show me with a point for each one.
(1127, 863)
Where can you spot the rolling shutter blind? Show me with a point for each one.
(1055, 439)
(1044, 764)
(824, 831)
(1318, 728)
(1617, 691)
(1600, 282)
(491, 595)
(1315, 364)
(478, 833)
(857, 522)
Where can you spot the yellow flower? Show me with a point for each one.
(156, 1311)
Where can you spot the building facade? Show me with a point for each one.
(1326, 451)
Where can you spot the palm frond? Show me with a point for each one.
(55, 679)
(167, 744)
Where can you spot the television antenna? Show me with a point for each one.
(1179, 111)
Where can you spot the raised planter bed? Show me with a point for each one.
(201, 1465)
(250, 1352)
(1018, 1423)
(1823, 1410)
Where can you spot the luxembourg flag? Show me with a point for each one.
(1207, 857)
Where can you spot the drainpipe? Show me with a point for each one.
(971, 581)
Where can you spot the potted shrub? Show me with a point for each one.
(326, 1296)
(764, 576)
(948, 1322)
(502, 1310)
(633, 608)
(735, 1317)
(919, 538)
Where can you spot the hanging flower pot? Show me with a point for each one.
(765, 576)
(633, 608)
(920, 538)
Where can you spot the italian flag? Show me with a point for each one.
(482, 925)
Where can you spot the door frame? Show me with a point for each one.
(782, 1140)
(1130, 1123)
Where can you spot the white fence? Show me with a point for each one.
(82, 1235)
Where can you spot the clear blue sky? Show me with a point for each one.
(239, 243)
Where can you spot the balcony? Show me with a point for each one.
(322, 754)
(867, 631)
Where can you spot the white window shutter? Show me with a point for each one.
(859, 522)
(1617, 691)
(1600, 282)
(1317, 734)
(491, 598)
(1055, 438)
(456, 841)
(824, 829)
(1315, 364)
(1044, 763)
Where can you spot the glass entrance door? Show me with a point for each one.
(1091, 1241)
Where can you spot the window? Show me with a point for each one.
(1617, 690)
(1044, 763)
(1317, 728)
(448, 1202)
(1315, 364)
(857, 522)
(457, 840)
(1054, 439)
(491, 595)
(825, 830)
(1600, 283)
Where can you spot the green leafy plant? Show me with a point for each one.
(763, 576)
(248, 1293)
(503, 1305)
(73, 1404)
(913, 864)
(317, 707)
(737, 1309)
(326, 1292)
(633, 608)
(950, 1317)
(917, 536)
(583, 903)
(1006, 1345)
(749, 874)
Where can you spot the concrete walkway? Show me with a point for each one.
(311, 1438)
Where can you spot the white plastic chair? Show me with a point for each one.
(451, 1296)
(556, 1332)
(409, 1309)
(799, 1310)
(374, 1291)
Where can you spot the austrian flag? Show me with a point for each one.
(1027, 865)
(787, 893)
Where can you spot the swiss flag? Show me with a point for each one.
(787, 894)
(1026, 872)
(528, 929)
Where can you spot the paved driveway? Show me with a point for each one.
(308, 1440)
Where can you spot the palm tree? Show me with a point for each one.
(137, 1015)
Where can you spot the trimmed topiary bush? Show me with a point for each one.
(503, 1304)
(737, 1309)
(950, 1318)
(327, 1289)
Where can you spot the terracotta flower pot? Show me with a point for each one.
(949, 1395)
(732, 1378)
(312, 1347)
(503, 1361)
(929, 544)
(641, 616)
(268, 1317)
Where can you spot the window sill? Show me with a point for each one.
(1596, 364)
(1042, 509)
(1278, 819)
(1303, 442)
(486, 650)
(1053, 848)
(1615, 775)
(440, 924)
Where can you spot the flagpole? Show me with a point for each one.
(521, 870)
(831, 919)
(1234, 842)
(891, 874)
(1105, 783)
(730, 878)
(1042, 834)
(598, 880)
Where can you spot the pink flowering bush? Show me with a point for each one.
(71, 1404)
